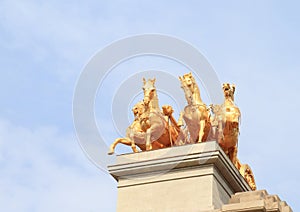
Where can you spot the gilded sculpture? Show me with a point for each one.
(153, 121)
(196, 113)
(225, 123)
(247, 173)
(152, 128)
(155, 128)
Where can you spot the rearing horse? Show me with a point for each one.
(153, 121)
(228, 117)
(195, 114)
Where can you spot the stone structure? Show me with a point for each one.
(197, 177)
(192, 174)
(255, 201)
(154, 128)
(184, 178)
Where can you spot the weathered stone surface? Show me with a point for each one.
(255, 201)
(195, 177)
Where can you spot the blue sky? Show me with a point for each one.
(45, 45)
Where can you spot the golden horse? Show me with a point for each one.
(195, 114)
(225, 129)
(136, 132)
(227, 119)
(153, 121)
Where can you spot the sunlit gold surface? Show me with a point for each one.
(225, 121)
(247, 173)
(154, 128)
(195, 114)
(151, 128)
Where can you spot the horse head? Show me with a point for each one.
(149, 90)
(187, 81)
(138, 109)
(229, 90)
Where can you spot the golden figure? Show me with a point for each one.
(181, 134)
(225, 123)
(225, 129)
(153, 128)
(153, 122)
(150, 124)
(195, 114)
(247, 173)
(134, 133)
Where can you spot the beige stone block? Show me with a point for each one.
(255, 201)
(253, 206)
(196, 177)
(193, 178)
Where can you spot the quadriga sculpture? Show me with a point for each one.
(195, 114)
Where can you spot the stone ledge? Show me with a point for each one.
(197, 177)
(178, 158)
(256, 201)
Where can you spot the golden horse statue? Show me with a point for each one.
(195, 114)
(225, 129)
(136, 132)
(225, 123)
(153, 121)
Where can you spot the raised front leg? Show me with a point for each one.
(125, 141)
(113, 146)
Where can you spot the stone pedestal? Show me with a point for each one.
(255, 201)
(196, 177)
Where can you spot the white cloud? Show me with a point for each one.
(43, 170)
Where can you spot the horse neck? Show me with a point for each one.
(154, 106)
(197, 95)
(229, 101)
(195, 98)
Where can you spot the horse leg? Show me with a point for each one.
(201, 130)
(124, 141)
(148, 139)
(157, 145)
(113, 146)
(133, 147)
(219, 133)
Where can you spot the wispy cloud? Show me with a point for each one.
(44, 170)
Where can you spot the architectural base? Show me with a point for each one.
(255, 201)
(196, 177)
